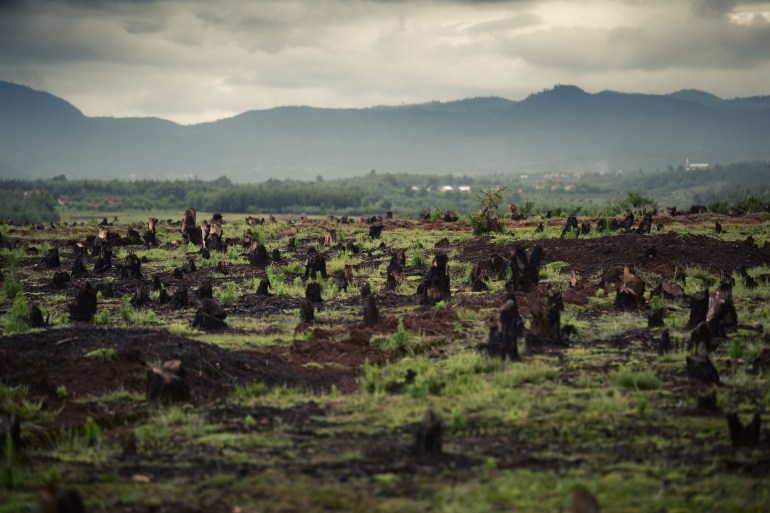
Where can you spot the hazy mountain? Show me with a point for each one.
(561, 129)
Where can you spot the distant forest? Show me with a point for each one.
(747, 184)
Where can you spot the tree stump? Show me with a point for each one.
(391, 282)
(504, 331)
(700, 368)
(429, 437)
(61, 279)
(365, 290)
(307, 312)
(313, 292)
(179, 299)
(104, 262)
(434, 287)
(645, 225)
(655, 319)
(316, 263)
(546, 320)
(525, 269)
(699, 307)
(664, 343)
(205, 290)
(478, 273)
(258, 255)
(601, 224)
(631, 292)
(627, 222)
(79, 266)
(84, 307)
(371, 313)
(167, 384)
(264, 285)
(700, 335)
(149, 234)
(375, 231)
(744, 436)
(133, 267)
(721, 314)
(450, 217)
(140, 297)
(52, 259)
(569, 226)
(210, 316)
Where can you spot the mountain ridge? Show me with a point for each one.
(560, 129)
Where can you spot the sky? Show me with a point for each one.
(192, 61)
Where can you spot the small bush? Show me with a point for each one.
(401, 341)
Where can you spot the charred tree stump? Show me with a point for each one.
(570, 225)
(718, 227)
(258, 256)
(330, 237)
(149, 233)
(106, 289)
(450, 217)
(275, 256)
(434, 287)
(504, 331)
(627, 222)
(11, 428)
(79, 266)
(631, 292)
(262, 289)
(307, 312)
(104, 262)
(205, 290)
(721, 314)
(699, 307)
(140, 297)
(61, 279)
(645, 225)
(84, 307)
(700, 368)
(35, 318)
(664, 344)
(371, 313)
(313, 292)
(133, 267)
(429, 437)
(700, 335)
(167, 384)
(601, 224)
(478, 273)
(744, 436)
(546, 320)
(365, 290)
(156, 283)
(540, 228)
(210, 316)
(375, 231)
(223, 267)
(316, 263)
(671, 289)
(163, 297)
(179, 299)
(707, 401)
(525, 269)
(51, 500)
(190, 232)
(655, 319)
(52, 259)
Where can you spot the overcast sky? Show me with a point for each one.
(200, 60)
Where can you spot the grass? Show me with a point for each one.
(604, 413)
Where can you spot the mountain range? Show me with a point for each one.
(561, 129)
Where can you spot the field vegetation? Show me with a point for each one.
(288, 411)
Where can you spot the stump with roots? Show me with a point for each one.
(316, 263)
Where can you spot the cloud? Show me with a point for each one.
(191, 60)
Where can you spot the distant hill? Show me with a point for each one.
(561, 129)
